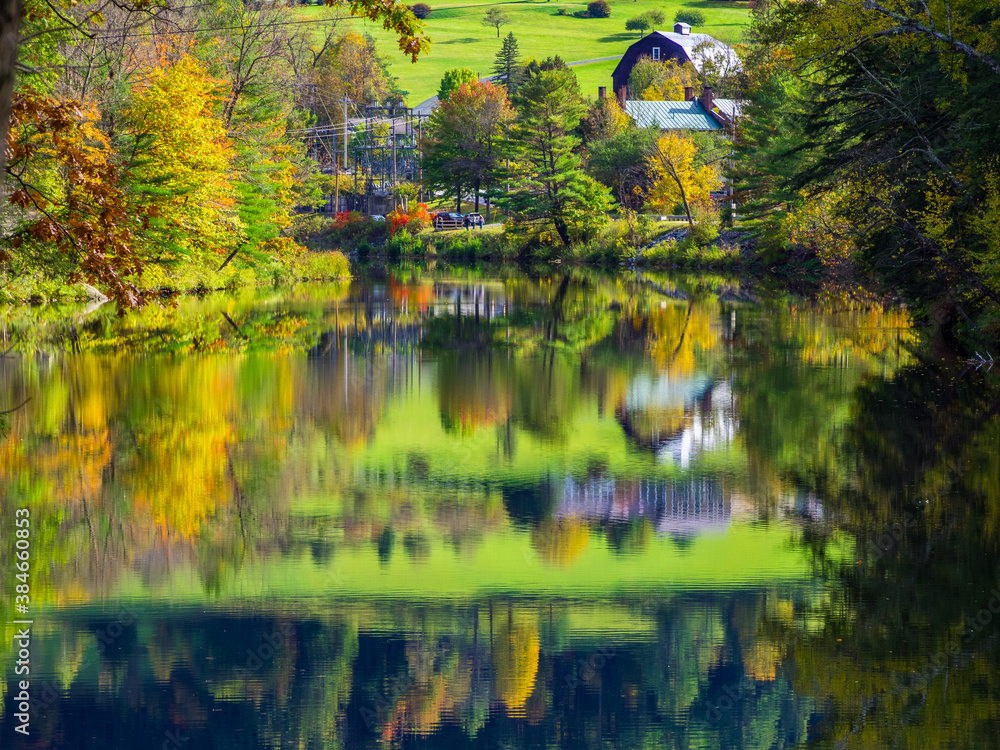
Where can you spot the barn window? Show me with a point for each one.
(656, 53)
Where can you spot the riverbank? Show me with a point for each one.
(640, 243)
(289, 265)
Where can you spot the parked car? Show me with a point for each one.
(474, 220)
(446, 220)
(377, 217)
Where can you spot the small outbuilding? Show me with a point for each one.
(679, 45)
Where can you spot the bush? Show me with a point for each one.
(403, 243)
(421, 10)
(690, 17)
(599, 9)
(333, 265)
(562, 11)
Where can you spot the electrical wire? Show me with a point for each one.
(115, 37)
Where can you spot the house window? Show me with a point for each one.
(656, 53)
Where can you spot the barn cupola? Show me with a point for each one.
(682, 28)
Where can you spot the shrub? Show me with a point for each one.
(403, 243)
(599, 9)
(562, 11)
(334, 265)
(412, 222)
(690, 17)
(421, 10)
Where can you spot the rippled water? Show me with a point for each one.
(444, 507)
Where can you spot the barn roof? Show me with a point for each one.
(731, 108)
(708, 48)
(671, 115)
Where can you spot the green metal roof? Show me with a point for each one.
(671, 115)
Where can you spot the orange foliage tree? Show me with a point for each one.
(72, 195)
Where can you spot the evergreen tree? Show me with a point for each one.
(507, 66)
(549, 109)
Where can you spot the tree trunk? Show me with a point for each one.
(562, 229)
(477, 196)
(10, 22)
(458, 197)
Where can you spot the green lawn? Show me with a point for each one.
(459, 40)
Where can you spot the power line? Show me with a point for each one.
(113, 37)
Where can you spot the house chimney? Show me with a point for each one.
(602, 92)
(689, 93)
(682, 28)
(622, 96)
(707, 99)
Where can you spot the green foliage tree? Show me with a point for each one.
(507, 64)
(495, 17)
(620, 163)
(648, 20)
(453, 80)
(639, 23)
(893, 111)
(549, 178)
(690, 17)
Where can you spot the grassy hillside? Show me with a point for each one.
(459, 40)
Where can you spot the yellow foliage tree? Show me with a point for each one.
(184, 156)
(676, 177)
(515, 656)
(670, 87)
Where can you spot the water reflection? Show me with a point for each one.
(444, 507)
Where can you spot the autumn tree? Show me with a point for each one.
(182, 157)
(453, 79)
(605, 119)
(353, 67)
(661, 80)
(75, 211)
(466, 139)
(676, 177)
(495, 17)
(895, 104)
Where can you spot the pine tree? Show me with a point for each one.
(549, 109)
(507, 66)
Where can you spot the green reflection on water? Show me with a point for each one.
(451, 487)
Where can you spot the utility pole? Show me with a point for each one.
(392, 135)
(345, 131)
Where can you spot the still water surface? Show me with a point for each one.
(448, 508)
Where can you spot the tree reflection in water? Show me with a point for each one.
(444, 507)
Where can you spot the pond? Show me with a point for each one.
(447, 507)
